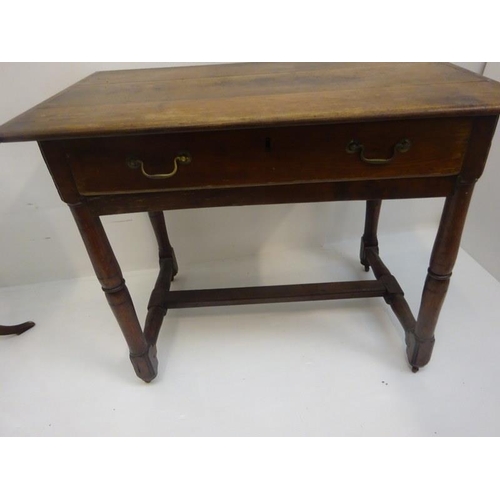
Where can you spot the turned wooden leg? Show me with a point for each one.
(369, 238)
(16, 329)
(142, 353)
(444, 254)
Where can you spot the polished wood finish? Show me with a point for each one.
(165, 250)
(263, 134)
(269, 156)
(420, 343)
(395, 295)
(16, 329)
(272, 294)
(265, 195)
(157, 307)
(253, 96)
(142, 354)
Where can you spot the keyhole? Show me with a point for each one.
(268, 144)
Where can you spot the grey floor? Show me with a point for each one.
(302, 369)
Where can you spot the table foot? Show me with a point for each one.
(418, 351)
(146, 364)
(16, 329)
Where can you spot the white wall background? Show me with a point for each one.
(39, 241)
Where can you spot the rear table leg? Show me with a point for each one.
(165, 249)
(369, 238)
(157, 308)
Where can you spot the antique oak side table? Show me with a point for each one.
(252, 134)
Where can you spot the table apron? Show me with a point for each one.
(268, 195)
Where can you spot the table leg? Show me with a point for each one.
(168, 269)
(16, 329)
(165, 250)
(444, 254)
(369, 238)
(142, 354)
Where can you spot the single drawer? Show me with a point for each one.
(257, 157)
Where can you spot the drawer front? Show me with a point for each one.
(258, 157)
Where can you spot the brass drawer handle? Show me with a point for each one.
(180, 159)
(354, 146)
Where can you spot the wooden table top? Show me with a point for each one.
(253, 95)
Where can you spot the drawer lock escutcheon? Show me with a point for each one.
(181, 159)
(354, 147)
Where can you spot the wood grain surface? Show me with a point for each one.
(253, 95)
